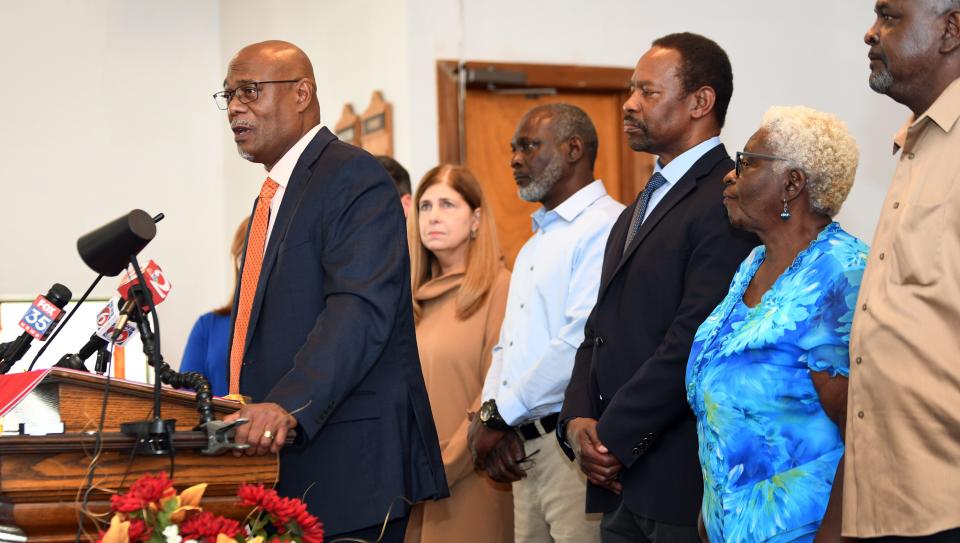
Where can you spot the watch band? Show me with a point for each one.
(491, 416)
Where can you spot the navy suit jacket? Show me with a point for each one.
(331, 336)
(629, 372)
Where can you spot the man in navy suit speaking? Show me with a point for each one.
(323, 338)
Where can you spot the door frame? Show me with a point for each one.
(453, 78)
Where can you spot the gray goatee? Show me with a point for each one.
(540, 185)
(881, 80)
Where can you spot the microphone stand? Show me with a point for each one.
(155, 437)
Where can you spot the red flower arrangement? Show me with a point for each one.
(288, 515)
(206, 528)
(142, 493)
(151, 511)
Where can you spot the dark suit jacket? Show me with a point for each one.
(331, 332)
(629, 371)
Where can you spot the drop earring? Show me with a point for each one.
(785, 214)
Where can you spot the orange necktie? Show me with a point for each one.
(252, 262)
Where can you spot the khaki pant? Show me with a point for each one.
(548, 505)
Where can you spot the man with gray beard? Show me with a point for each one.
(901, 478)
(553, 288)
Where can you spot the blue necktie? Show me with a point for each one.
(656, 181)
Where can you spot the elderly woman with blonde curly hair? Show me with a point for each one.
(767, 374)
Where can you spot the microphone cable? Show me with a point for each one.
(97, 451)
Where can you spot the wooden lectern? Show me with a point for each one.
(41, 476)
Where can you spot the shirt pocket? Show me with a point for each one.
(917, 245)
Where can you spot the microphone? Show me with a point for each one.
(107, 250)
(90, 246)
(157, 284)
(107, 321)
(119, 317)
(135, 293)
(39, 321)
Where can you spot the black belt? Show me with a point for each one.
(532, 429)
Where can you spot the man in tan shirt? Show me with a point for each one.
(902, 473)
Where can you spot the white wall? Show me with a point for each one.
(106, 109)
(108, 104)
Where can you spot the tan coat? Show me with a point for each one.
(902, 477)
(455, 355)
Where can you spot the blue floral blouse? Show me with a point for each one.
(768, 450)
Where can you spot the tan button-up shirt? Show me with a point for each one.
(902, 473)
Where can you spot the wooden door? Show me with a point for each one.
(486, 118)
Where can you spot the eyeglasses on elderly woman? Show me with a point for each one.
(744, 154)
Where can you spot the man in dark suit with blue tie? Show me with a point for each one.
(668, 262)
(323, 338)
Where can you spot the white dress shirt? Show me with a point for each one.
(281, 173)
(554, 286)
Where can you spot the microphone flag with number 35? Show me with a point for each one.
(41, 318)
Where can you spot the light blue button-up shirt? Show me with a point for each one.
(553, 288)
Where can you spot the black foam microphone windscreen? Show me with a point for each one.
(107, 250)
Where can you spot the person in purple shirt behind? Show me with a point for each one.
(206, 350)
